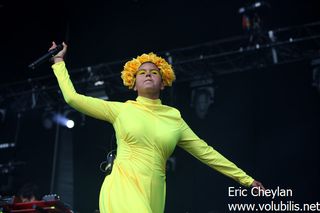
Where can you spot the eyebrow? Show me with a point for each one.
(149, 69)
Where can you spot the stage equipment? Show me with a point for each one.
(46, 57)
(202, 95)
(48, 204)
(220, 57)
(50, 116)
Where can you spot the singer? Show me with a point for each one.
(147, 133)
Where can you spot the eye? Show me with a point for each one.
(141, 72)
(155, 72)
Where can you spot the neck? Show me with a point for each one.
(153, 96)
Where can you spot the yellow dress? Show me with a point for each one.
(147, 133)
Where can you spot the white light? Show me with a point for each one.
(7, 145)
(70, 124)
(98, 83)
(257, 4)
(64, 121)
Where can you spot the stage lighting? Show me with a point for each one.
(49, 117)
(70, 124)
(254, 7)
(202, 96)
(64, 121)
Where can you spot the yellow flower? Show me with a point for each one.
(130, 69)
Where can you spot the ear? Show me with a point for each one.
(162, 85)
(135, 85)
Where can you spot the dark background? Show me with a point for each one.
(264, 120)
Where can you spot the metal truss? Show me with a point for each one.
(219, 57)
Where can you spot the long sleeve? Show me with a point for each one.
(94, 107)
(190, 142)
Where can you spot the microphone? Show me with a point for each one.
(110, 160)
(46, 57)
(109, 163)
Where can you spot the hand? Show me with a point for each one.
(60, 55)
(257, 184)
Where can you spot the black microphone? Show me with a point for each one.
(46, 57)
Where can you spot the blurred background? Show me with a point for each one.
(248, 83)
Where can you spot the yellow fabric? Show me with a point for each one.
(147, 133)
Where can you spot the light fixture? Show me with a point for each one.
(70, 124)
(63, 120)
(50, 117)
(202, 96)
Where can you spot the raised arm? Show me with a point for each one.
(190, 142)
(94, 107)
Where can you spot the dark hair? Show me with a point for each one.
(28, 191)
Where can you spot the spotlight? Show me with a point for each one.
(253, 7)
(64, 121)
(50, 117)
(70, 124)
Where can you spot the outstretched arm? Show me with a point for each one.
(94, 107)
(190, 142)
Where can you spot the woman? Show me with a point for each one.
(147, 133)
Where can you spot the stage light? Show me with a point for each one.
(254, 7)
(202, 96)
(70, 124)
(64, 121)
(98, 83)
(49, 118)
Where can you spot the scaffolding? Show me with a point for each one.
(219, 57)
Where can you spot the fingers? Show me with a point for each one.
(64, 46)
(54, 45)
(60, 55)
(257, 184)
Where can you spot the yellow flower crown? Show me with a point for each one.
(130, 69)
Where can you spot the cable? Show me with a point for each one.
(106, 166)
(109, 162)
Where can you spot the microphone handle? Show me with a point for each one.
(45, 57)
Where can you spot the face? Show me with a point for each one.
(148, 80)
